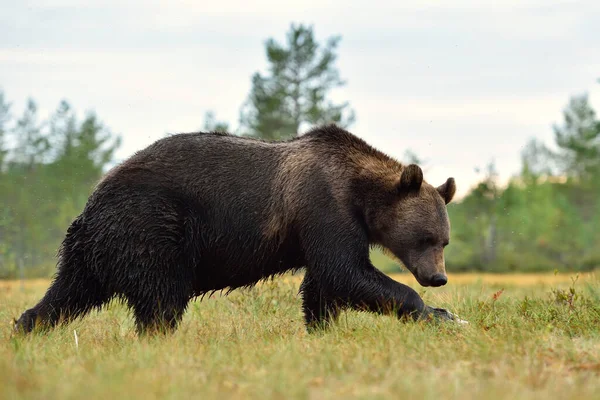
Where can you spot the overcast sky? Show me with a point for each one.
(459, 84)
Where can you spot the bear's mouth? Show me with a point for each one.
(422, 282)
(435, 280)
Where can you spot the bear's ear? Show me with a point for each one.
(411, 179)
(447, 190)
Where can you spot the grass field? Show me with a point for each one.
(529, 337)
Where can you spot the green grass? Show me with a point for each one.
(532, 340)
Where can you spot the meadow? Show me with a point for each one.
(530, 336)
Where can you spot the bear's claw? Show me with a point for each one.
(444, 314)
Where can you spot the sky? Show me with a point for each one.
(460, 83)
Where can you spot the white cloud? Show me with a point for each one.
(513, 109)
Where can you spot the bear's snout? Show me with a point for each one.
(439, 280)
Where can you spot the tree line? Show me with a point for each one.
(546, 218)
(47, 171)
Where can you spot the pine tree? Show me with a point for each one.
(294, 92)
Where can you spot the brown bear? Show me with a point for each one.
(199, 212)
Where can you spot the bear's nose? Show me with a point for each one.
(439, 280)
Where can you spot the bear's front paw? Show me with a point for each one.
(445, 315)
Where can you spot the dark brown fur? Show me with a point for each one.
(195, 213)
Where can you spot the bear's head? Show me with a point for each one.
(414, 225)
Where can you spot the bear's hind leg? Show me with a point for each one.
(74, 291)
(159, 310)
(69, 297)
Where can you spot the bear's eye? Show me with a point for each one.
(427, 241)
